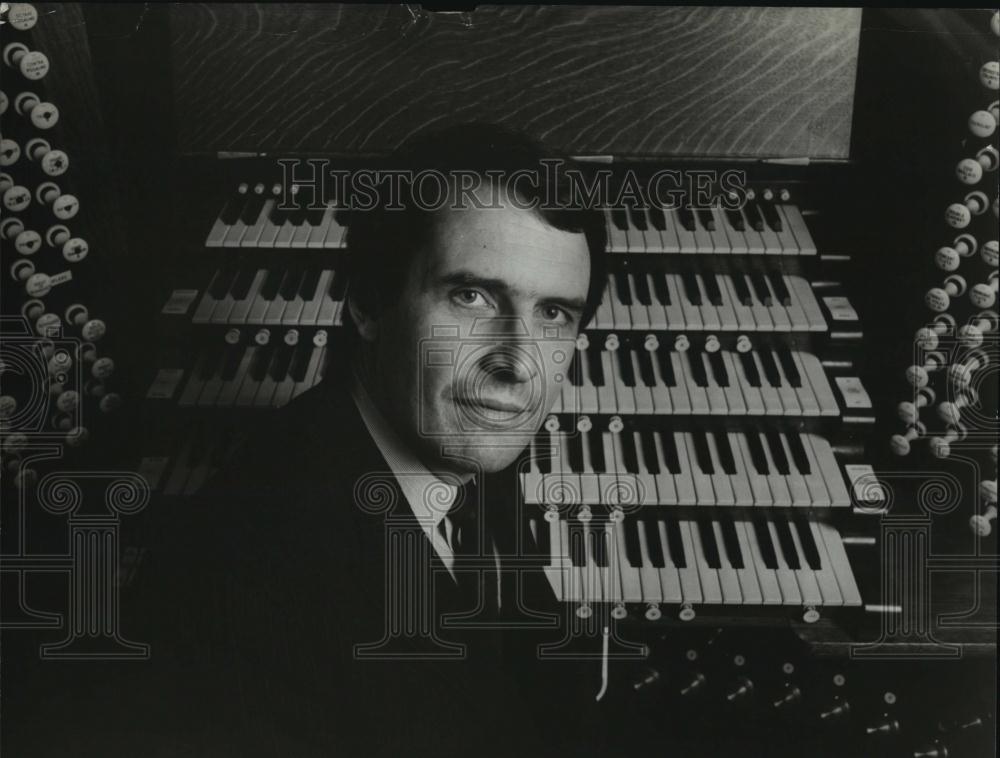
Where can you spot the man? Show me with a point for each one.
(360, 579)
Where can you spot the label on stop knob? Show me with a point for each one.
(34, 65)
(840, 309)
(22, 16)
(853, 392)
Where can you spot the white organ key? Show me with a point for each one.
(312, 373)
(573, 578)
(571, 479)
(588, 478)
(685, 238)
(647, 490)
(782, 322)
(657, 311)
(830, 470)
(789, 398)
(192, 389)
(839, 563)
(234, 234)
(720, 239)
(590, 573)
(754, 400)
(241, 308)
(755, 243)
(807, 299)
(735, 395)
(603, 318)
(611, 574)
(747, 576)
(620, 317)
(670, 575)
(303, 230)
(587, 389)
(795, 222)
(228, 393)
(704, 493)
(786, 578)
(555, 568)
(328, 307)
(772, 245)
(609, 482)
(789, 245)
(204, 310)
(796, 315)
(768, 577)
(709, 315)
(617, 238)
(668, 235)
(317, 234)
(812, 370)
(818, 492)
(824, 576)
(310, 308)
(804, 393)
(772, 400)
(293, 309)
(276, 307)
(531, 480)
(709, 577)
(728, 579)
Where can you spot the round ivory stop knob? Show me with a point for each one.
(969, 171)
(982, 124)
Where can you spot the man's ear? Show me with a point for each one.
(362, 313)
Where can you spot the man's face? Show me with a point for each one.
(474, 353)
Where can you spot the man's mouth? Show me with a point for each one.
(493, 405)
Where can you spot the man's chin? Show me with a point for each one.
(481, 451)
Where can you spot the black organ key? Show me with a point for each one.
(596, 446)
(707, 535)
(222, 283)
(543, 454)
(675, 542)
(661, 289)
(633, 553)
(211, 364)
(278, 215)
(259, 363)
(595, 366)
(282, 360)
(686, 217)
(271, 284)
(757, 456)
(706, 218)
(598, 546)
(622, 288)
(787, 543)
(691, 290)
(310, 283)
(656, 217)
(338, 286)
(577, 544)
(631, 459)
(764, 541)
(726, 457)
(619, 218)
(653, 545)
(712, 289)
(638, 217)
(731, 541)
(771, 215)
(242, 282)
(642, 289)
(777, 452)
(575, 444)
(742, 290)
(801, 527)
(754, 216)
(290, 286)
(670, 455)
(300, 362)
(649, 452)
(770, 367)
(252, 208)
(791, 371)
(736, 220)
(719, 369)
(231, 211)
(646, 372)
(777, 282)
(576, 369)
(541, 541)
(624, 358)
(798, 453)
(697, 364)
(750, 369)
(761, 289)
(232, 361)
(702, 454)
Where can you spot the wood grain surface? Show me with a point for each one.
(639, 81)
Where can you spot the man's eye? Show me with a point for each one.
(555, 313)
(470, 297)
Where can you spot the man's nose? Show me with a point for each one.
(511, 363)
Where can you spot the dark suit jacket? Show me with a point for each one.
(263, 587)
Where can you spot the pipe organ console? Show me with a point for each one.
(714, 479)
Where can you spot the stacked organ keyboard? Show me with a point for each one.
(704, 441)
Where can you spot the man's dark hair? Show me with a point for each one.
(382, 239)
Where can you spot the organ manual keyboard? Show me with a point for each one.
(717, 458)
